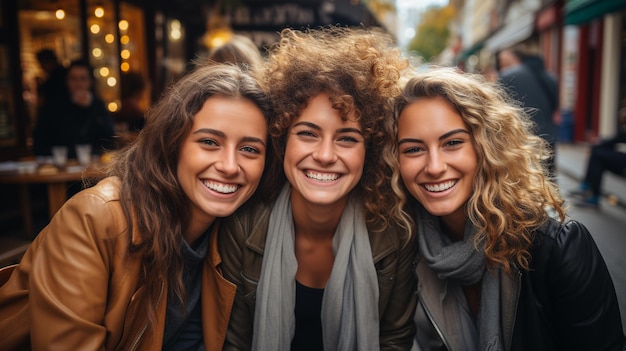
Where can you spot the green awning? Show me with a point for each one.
(583, 11)
(463, 55)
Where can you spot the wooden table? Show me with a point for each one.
(57, 181)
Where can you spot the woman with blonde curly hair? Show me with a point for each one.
(328, 264)
(496, 271)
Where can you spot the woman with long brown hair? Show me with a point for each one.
(132, 263)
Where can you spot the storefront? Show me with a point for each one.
(116, 36)
(599, 28)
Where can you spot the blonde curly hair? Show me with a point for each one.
(511, 193)
(360, 70)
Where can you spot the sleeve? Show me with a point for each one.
(585, 304)
(231, 246)
(69, 280)
(397, 326)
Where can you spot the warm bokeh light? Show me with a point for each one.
(125, 39)
(175, 34)
(96, 52)
(111, 81)
(95, 29)
(125, 66)
(217, 37)
(112, 106)
(104, 71)
(123, 25)
(99, 12)
(125, 54)
(59, 14)
(109, 38)
(175, 30)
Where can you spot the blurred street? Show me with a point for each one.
(606, 224)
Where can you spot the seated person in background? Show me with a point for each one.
(129, 119)
(239, 50)
(604, 157)
(80, 119)
(52, 86)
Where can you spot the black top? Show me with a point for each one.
(62, 122)
(308, 311)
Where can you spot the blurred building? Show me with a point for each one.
(583, 42)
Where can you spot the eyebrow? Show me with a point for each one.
(221, 134)
(340, 130)
(443, 136)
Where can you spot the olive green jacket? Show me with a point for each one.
(242, 243)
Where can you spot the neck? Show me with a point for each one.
(316, 220)
(195, 231)
(454, 227)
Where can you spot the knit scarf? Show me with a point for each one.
(349, 313)
(461, 261)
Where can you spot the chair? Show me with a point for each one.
(12, 250)
(5, 273)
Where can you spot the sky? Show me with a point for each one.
(406, 26)
(419, 3)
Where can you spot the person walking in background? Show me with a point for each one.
(327, 262)
(527, 81)
(495, 271)
(604, 156)
(132, 263)
(80, 118)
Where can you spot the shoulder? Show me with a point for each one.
(564, 247)
(98, 208)
(562, 234)
(107, 189)
(248, 224)
(389, 242)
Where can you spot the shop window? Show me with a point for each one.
(43, 24)
(103, 37)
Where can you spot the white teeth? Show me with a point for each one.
(221, 188)
(323, 177)
(440, 187)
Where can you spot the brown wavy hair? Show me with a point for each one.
(511, 192)
(154, 203)
(360, 70)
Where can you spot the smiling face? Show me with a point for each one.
(222, 159)
(324, 155)
(438, 162)
(78, 79)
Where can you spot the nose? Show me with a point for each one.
(228, 163)
(325, 152)
(436, 164)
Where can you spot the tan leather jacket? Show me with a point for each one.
(77, 289)
(242, 243)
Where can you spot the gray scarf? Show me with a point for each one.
(350, 304)
(460, 261)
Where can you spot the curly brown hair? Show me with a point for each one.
(361, 71)
(512, 194)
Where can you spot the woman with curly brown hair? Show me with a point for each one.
(132, 262)
(328, 264)
(495, 270)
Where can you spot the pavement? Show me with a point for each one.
(607, 223)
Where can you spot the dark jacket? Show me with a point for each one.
(537, 91)
(565, 301)
(242, 243)
(62, 122)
